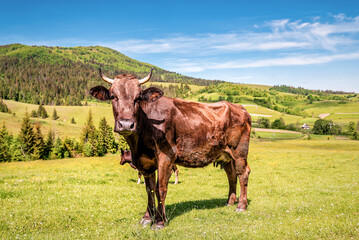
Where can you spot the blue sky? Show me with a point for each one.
(312, 44)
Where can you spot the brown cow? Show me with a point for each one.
(126, 158)
(164, 131)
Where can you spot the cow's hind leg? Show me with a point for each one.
(242, 169)
(232, 180)
(151, 205)
(243, 179)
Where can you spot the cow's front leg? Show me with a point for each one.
(164, 174)
(151, 205)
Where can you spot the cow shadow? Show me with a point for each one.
(177, 209)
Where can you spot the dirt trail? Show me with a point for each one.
(323, 115)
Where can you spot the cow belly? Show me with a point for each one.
(199, 157)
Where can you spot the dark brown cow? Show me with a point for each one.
(126, 158)
(164, 131)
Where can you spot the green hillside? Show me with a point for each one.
(63, 76)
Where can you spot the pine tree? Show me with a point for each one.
(68, 147)
(102, 137)
(73, 120)
(44, 113)
(106, 139)
(5, 140)
(41, 111)
(39, 145)
(3, 107)
(89, 135)
(57, 151)
(17, 151)
(27, 135)
(111, 144)
(54, 115)
(49, 144)
(33, 114)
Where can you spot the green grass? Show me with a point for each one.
(343, 118)
(257, 86)
(331, 107)
(277, 135)
(298, 189)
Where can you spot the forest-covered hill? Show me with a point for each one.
(63, 76)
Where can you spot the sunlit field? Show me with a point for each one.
(62, 126)
(298, 189)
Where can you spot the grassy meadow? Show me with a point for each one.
(62, 126)
(298, 189)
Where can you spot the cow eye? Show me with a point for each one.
(112, 97)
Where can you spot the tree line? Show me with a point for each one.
(303, 91)
(31, 144)
(321, 127)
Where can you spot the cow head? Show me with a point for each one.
(126, 95)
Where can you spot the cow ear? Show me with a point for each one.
(152, 94)
(100, 93)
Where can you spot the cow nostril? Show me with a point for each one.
(119, 124)
(132, 126)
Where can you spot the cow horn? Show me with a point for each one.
(145, 79)
(106, 79)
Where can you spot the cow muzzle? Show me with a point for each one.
(125, 126)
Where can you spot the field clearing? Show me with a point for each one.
(278, 135)
(298, 189)
(331, 107)
(254, 86)
(343, 118)
(61, 126)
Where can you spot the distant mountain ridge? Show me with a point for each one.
(63, 75)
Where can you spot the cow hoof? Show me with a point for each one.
(158, 226)
(238, 210)
(231, 201)
(145, 222)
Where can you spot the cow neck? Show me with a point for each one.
(132, 141)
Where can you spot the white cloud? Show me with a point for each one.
(300, 60)
(287, 61)
(274, 35)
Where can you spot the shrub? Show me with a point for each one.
(278, 123)
(325, 127)
(263, 122)
(87, 150)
